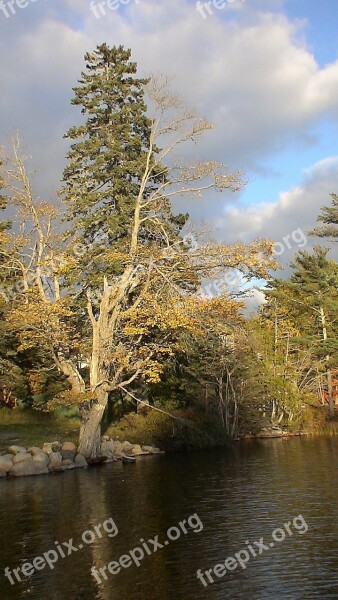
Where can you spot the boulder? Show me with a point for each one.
(127, 446)
(68, 451)
(67, 464)
(118, 446)
(6, 462)
(80, 461)
(147, 449)
(47, 448)
(3, 473)
(156, 451)
(137, 450)
(20, 457)
(107, 449)
(56, 446)
(41, 457)
(35, 450)
(17, 449)
(28, 467)
(55, 461)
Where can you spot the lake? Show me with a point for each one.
(267, 509)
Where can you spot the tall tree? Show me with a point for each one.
(106, 164)
(328, 216)
(110, 315)
(310, 299)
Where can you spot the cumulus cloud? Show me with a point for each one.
(249, 71)
(288, 220)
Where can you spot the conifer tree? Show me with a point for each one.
(328, 216)
(106, 163)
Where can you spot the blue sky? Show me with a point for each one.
(264, 72)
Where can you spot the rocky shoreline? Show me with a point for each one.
(58, 457)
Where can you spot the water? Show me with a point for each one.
(239, 495)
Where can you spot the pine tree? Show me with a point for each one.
(309, 298)
(329, 216)
(106, 164)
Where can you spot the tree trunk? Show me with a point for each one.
(328, 370)
(71, 372)
(90, 434)
(330, 391)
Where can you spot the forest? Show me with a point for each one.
(119, 313)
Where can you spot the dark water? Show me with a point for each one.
(239, 495)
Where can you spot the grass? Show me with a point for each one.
(32, 428)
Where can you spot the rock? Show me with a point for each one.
(17, 449)
(147, 449)
(6, 462)
(28, 467)
(8, 436)
(68, 451)
(55, 461)
(80, 462)
(105, 438)
(129, 459)
(156, 451)
(41, 457)
(56, 446)
(20, 457)
(118, 446)
(3, 473)
(137, 450)
(67, 464)
(48, 448)
(127, 447)
(35, 450)
(107, 450)
(120, 455)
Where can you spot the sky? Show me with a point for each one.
(264, 72)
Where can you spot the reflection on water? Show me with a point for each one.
(239, 494)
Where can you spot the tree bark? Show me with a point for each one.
(90, 434)
(71, 372)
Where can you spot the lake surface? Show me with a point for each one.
(238, 496)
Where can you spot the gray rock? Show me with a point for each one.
(127, 446)
(67, 464)
(41, 457)
(47, 448)
(80, 462)
(9, 436)
(147, 449)
(68, 451)
(28, 467)
(56, 446)
(120, 455)
(117, 446)
(55, 461)
(3, 473)
(35, 450)
(137, 450)
(6, 462)
(20, 457)
(17, 449)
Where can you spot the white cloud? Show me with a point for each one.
(252, 75)
(288, 220)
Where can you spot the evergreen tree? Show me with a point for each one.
(309, 298)
(328, 216)
(106, 164)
